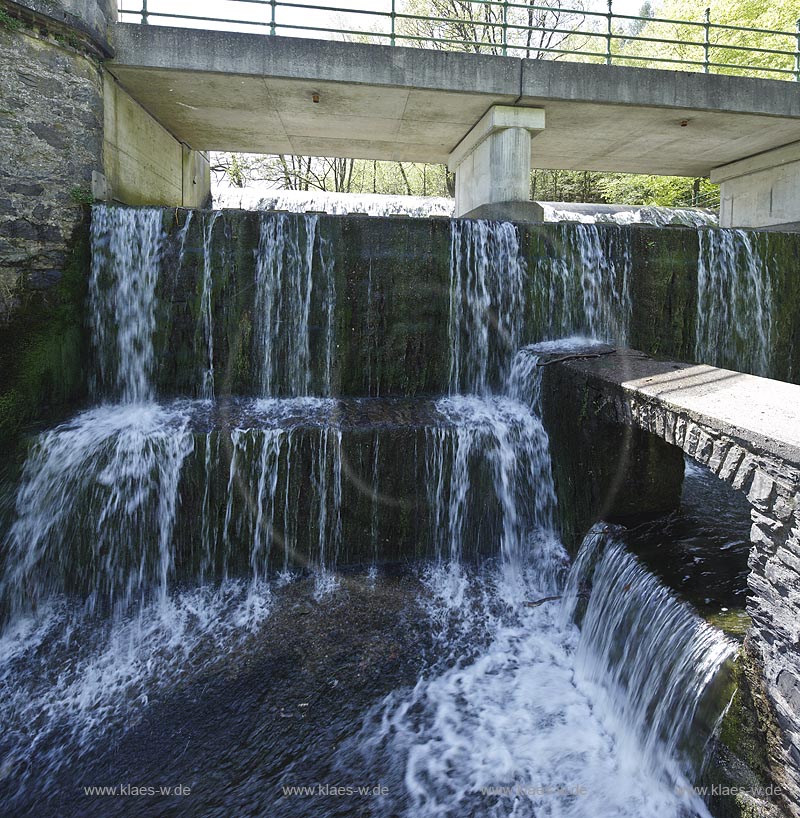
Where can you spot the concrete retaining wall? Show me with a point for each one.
(143, 162)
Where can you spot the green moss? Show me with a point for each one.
(81, 195)
(43, 348)
(740, 730)
(8, 22)
(733, 622)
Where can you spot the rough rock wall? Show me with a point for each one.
(50, 142)
(772, 486)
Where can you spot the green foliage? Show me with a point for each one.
(567, 186)
(725, 44)
(8, 22)
(666, 191)
(81, 195)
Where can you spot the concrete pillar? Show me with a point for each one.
(762, 190)
(492, 164)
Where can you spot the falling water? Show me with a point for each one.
(650, 654)
(285, 297)
(734, 301)
(529, 716)
(507, 436)
(487, 299)
(582, 283)
(523, 715)
(126, 253)
(520, 711)
(96, 509)
(207, 384)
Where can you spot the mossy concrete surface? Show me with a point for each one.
(44, 347)
(737, 776)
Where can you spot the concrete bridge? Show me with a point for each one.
(746, 430)
(489, 118)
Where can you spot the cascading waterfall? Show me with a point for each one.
(582, 284)
(507, 435)
(487, 279)
(96, 509)
(649, 653)
(733, 327)
(524, 716)
(285, 299)
(147, 535)
(126, 254)
(530, 716)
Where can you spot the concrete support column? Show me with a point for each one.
(492, 164)
(762, 190)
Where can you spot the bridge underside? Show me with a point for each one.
(251, 93)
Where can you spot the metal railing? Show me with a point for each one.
(504, 27)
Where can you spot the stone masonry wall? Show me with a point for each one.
(772, 486)
(51, 139)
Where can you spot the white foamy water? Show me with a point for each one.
(96, 507)
(67, 679)
(628, 214)
(526, 714)
(262, 197)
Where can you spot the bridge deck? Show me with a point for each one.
(219, 90)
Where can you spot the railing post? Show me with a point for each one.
(707, 42)
(505, 27)
(609, 16)
(797, 55)
(272, 4)
(393, 39)
(144, 12)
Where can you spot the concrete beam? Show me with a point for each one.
(761, 190)
(492, 164)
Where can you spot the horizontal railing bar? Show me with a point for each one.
(283, 5)
(499, 34)
(726, 47)
(500, 6)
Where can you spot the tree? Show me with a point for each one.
(534, 31)
(287, 172)
(729, 50)
(666, 191)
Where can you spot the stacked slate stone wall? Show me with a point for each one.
(772, 487)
